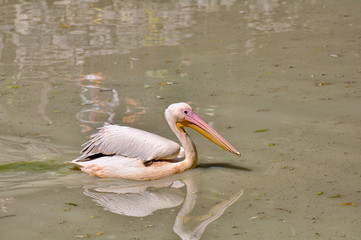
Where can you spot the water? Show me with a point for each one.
(280, 80)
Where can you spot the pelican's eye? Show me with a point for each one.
(186, 112)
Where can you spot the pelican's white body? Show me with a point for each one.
(125, 152)
(128, 148)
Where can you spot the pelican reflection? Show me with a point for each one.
(140, 199)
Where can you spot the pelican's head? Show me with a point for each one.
(182, 115)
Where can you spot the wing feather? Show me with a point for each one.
(129, 142)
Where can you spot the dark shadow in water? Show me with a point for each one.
(222, 165)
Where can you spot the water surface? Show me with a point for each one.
(280, 80)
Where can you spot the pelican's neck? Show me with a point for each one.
(190, 151)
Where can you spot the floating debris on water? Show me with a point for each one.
(323, 84)
(283, 209)
(166, 83)
(71, 204)
(287, 167)
(11, 215)
(347, 204)
(83, 236)
(261, 130)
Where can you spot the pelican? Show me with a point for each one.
(130, 153)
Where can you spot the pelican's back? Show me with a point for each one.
(129, 142)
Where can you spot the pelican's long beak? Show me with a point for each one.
(193, 121)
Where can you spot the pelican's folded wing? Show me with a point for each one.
(129, 142)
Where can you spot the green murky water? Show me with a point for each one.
(280, 80)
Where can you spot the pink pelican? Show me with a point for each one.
(125, 152)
